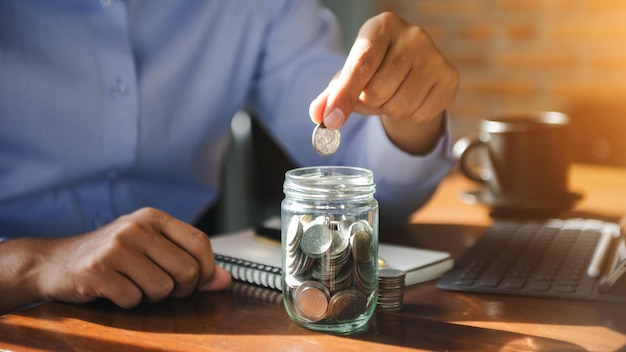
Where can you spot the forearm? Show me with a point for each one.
(19, 263)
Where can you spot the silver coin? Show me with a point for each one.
(361, 242)
(344, 226)
(320, 220)
(365, 277)
(316, 240)
(294, 231)
(341, 241)
(361, 225)
(391, 274)
(325, 141)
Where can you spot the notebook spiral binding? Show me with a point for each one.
(256, 294)
(252, 273)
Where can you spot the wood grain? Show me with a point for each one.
(247, 318)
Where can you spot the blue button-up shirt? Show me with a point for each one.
(109, 106)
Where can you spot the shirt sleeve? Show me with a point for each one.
(404, 182)
(302, 53)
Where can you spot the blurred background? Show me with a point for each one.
(516, 55)
(512, 55)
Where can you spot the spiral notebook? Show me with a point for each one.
(257, 260)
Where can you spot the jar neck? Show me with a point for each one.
(330, 183)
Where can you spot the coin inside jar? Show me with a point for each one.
(361, 246)
(311, 301)
(325, 141)
(316, 240)
(346, 305)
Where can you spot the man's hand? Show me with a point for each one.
(145, 255)
(393, 70)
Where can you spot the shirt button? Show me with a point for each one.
(120, 89)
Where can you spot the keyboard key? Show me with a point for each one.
(565, 289)
(489, 281)
(513, 283)
(464, 283)
(539, 285)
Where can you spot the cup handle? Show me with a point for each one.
(461, 151)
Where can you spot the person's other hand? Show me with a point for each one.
(144, 255)
(393, 70)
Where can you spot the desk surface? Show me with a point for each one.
(250, 318)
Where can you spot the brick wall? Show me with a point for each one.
(515, 55)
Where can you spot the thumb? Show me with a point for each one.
(317, 107)
(338, 100)
(326, 109)
(220, 281)
(332, 105)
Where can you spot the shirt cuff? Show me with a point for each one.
(384, 156)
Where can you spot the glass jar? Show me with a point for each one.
(330, 247)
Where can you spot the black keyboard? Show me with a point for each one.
(544, 258)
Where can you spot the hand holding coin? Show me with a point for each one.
(393, 70)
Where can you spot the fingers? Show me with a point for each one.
(159, 269)
(192, 264)
(366, 55)
(390, 79)
(199, 270)
(417, 102)
(144, 255)
(393, 69)
(118, 289)
(168, 257)
(221, 280)
(438, 98)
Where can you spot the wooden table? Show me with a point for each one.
(253, 319)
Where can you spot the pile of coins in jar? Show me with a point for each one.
(330, 268)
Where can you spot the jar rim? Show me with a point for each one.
(315, 172)
(330, 181)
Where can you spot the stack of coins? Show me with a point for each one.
(390, 289)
